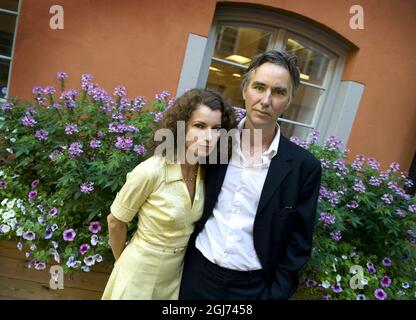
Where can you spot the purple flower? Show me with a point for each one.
(138, 103)
(84, 248)
(68, 97)
(69, 234)
(375, 181)
(37, 90)
(100, 134)
(32, 195)
(295, 140)
(49, 90)
(373, 163)
(6, 106)
(333, 144)
(158, 116)
(3, 185)
(162, 96)
(94, 144)
(29, 235)
(48, 234)
(61, 75)
(359, 186)
(336, 235)
(124, 143)
(75, 149)
(124, 105)
(118, 116)
(405, 285)
(40, 265)
(412, 208)
(94, 239)
(361, 297)
(239, 113)
(327, 218)
(394, 167)
(352, 205)
(41, 134)
(380, 294)
(94, 227)
(326, 296)
(313, 137)
(87, 187)
(139, 149)
(336, 288)
(35, 183)
(372, 269)
(20, 246)
(385, 281)
(54, 154)
(28, 121)
(400, 213)
(311, 283)
(358, 162)
(120, 91)
(53, 212)
(71, 128)
(387, 198)
(86, 81)
(387, 262)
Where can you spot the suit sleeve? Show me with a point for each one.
(300, 242)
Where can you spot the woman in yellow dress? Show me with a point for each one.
(168, 197)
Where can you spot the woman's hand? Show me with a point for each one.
(118, 232)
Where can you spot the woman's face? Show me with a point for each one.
(202, 131)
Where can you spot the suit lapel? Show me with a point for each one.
(279, 167)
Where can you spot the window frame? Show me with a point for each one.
(283, 24)
(10, 58)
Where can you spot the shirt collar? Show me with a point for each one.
(173, 172)
(274, 146)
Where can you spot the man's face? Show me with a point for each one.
(266, 95)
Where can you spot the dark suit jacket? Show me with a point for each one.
(285, 215)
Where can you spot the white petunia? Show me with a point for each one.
(325, 284)
(338, 278)
(19, 231)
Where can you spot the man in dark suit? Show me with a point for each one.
(256, 230)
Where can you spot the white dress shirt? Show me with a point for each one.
(227, 239)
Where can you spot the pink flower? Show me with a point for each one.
(94, 226)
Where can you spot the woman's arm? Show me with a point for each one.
(117, 231)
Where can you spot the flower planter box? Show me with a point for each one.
(19, 282)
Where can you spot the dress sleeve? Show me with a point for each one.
(140, 183)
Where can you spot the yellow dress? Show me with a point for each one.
(150, 266)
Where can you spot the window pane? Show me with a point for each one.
(290, 130)
(303, 105)
(313, 64)
(7, 23)
(240, 44)
(226, 79)
(11, 5)
(4, 74)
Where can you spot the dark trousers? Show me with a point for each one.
(204, 280)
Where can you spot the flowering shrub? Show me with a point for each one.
(64, 157)
(365, 220)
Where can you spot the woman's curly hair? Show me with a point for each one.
(186, 104)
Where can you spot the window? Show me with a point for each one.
(8, 23)
(241, 32)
